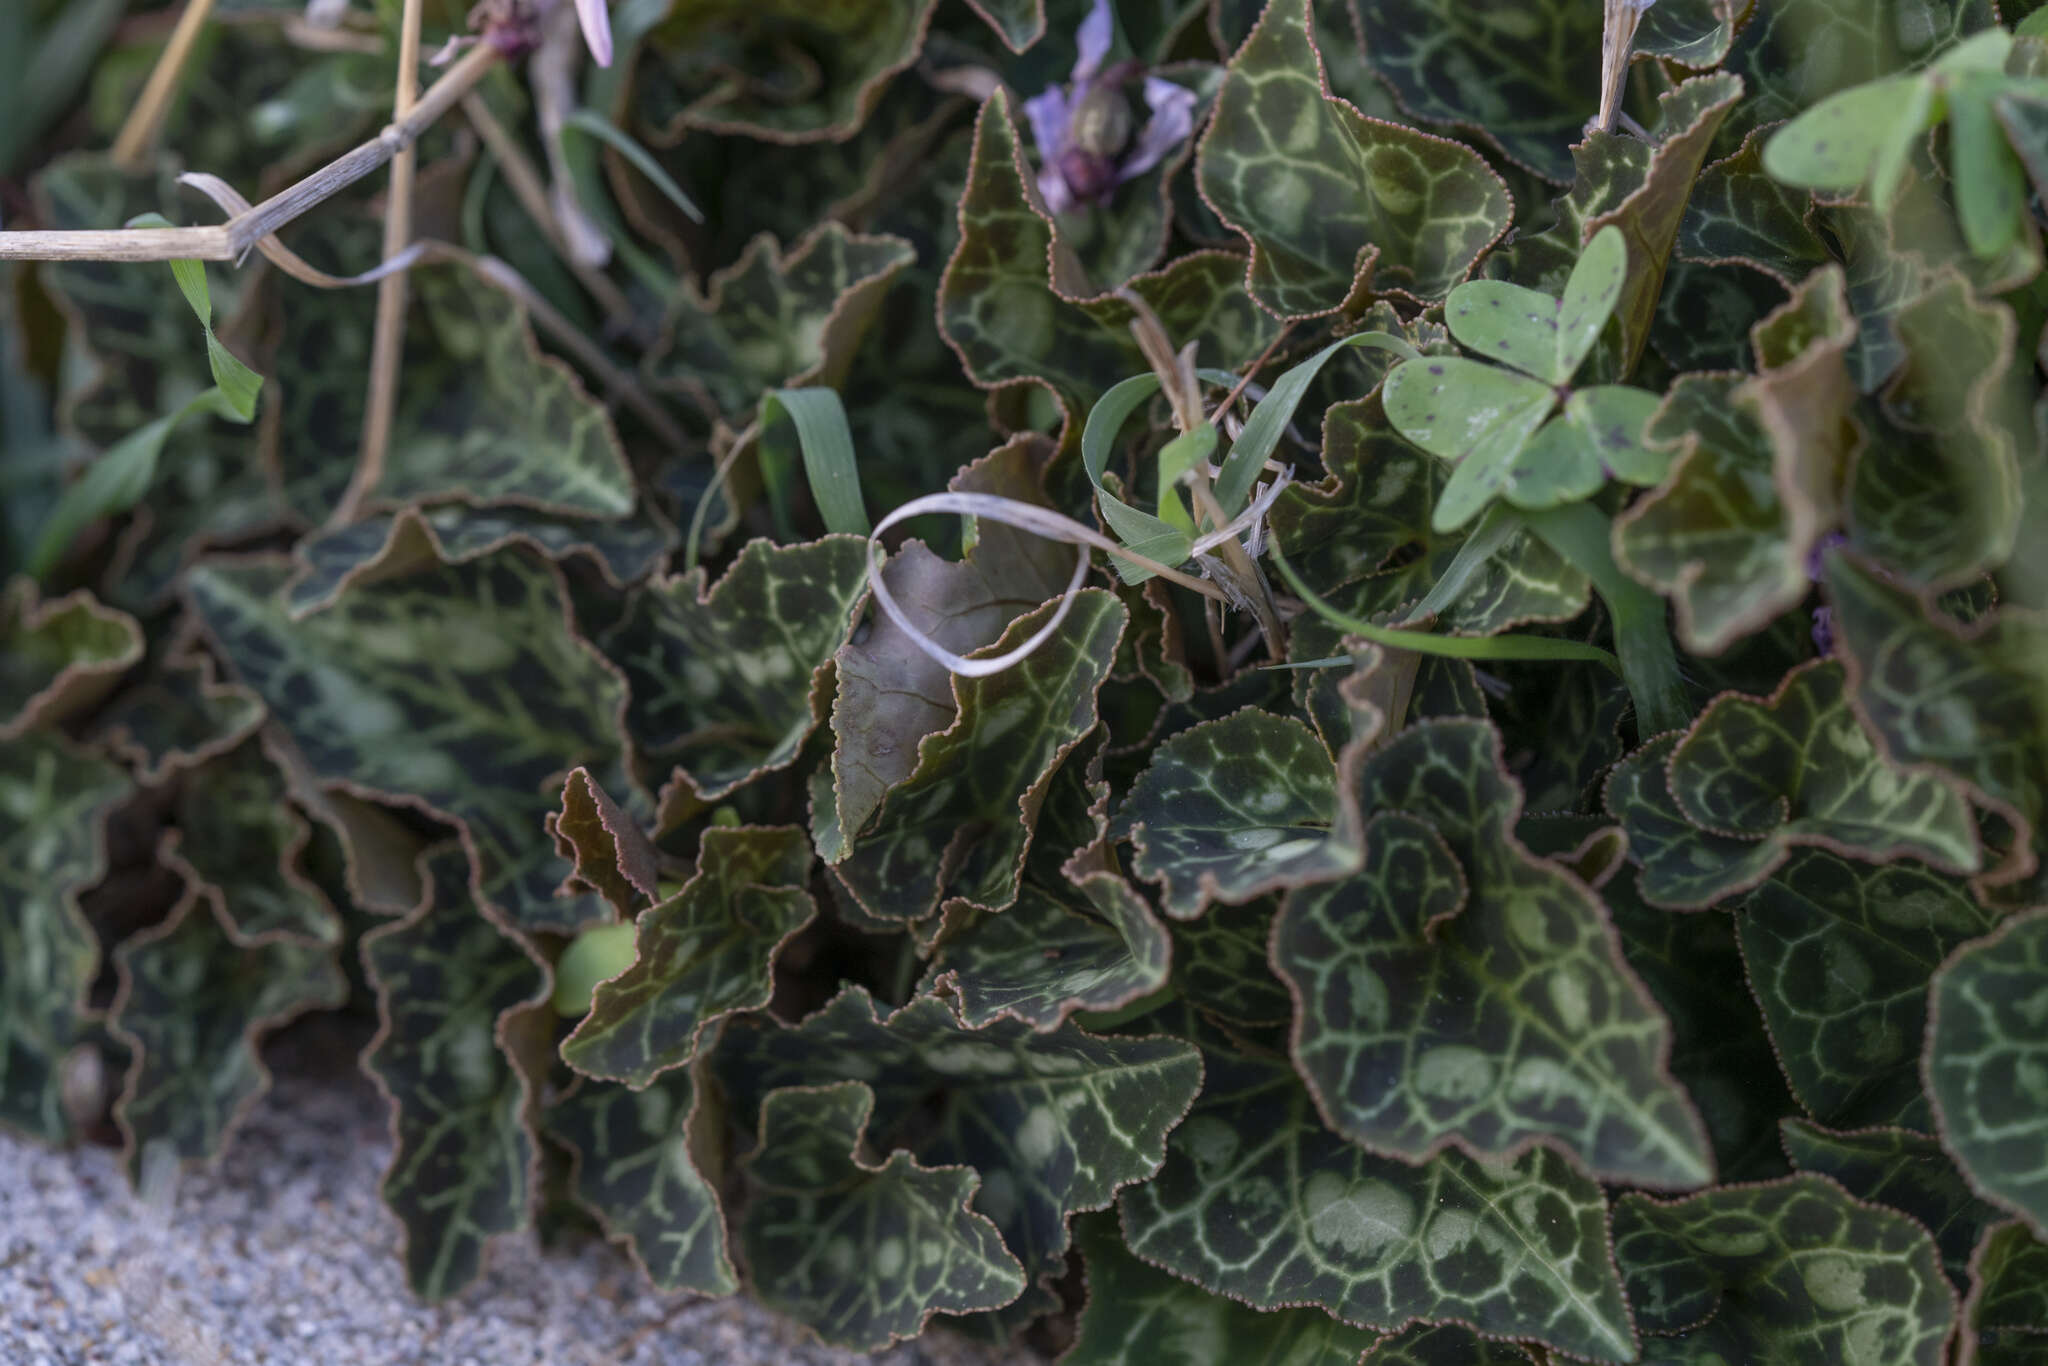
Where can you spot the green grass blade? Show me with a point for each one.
(818, 421)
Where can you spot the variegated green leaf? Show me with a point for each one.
(1329, 199)
(2006, 1309)
(1905, 1171)
(864, 1252)
(1137, 1315)
(239, 839)
(1963, 701)
(704, 953)
(193, 1006)
(1092, 947)
(1458, 989)
(959, 825)
(1232, 809)
(1054, 1122)
(777, 320)
(1788, 1270)
(457, 686)
(638, 1170)
(451, 986)
(58, 657)
(177, 716)
(1259, 1201)
(53, 799)
(1987, 1065)
(1445, 1344)
(814, 70)
(1220, 965)
(612, 854)
(1796, 53)
(727, 682)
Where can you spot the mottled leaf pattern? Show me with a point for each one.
(451, 985)
(1330, 199)
(727, 682)
(1790, 1269)
(58, 657)
(702, 954)
(459, 686)
(637, 1170)
(1552, 1037)
(1987, 1065)
(862, 1251)
(1258, 1199)
(2007, 1302)
(52, 847)
(239, 838)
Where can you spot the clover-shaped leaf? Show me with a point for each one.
(1494, 423)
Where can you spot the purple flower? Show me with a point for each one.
(597, 29)
(1083, 129)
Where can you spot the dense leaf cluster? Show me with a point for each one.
(1555, 871)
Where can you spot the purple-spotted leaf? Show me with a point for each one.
(1905, 1171)
(959, 826)
(638, 1169)
(1552, 1039)
(1477, 416)
(1329, 199)
(1137, 1315)
(453, 989)
(1524, 78)
(727, 682)
(1013, 313)
(704, 953)
(1754, 474)
(771, 321)
(193, 1005)
(53, 800)
(1259, 1201)
(1235, 808)
(862, 1251)
(1054, 1122)
(1962, 701)
(813, 70)
(58, 658)
(1839, 955)
(1987, 1065)
(1789, 1269)
(1535, 333)
(459, 688)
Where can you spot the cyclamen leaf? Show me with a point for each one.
(457, 686)
(1137, 1315)
(1965, 702)
(1330, 199)
(1907, 1172)
(53, 800)
(1258, 1201)
(238, 840)
(58, 657)
(891, 694)
(1554, 1040)
(1790, 1269)
(1232, 809)
(1738, 213)
(1863, 42)
(1987, 1065)
(1220, 967)
(727, 682)
(864, 1253)
(637, 1171)
(838, 56)
(1019, 23)
(1375, 502)
(959, 825)
(1445, 1344)
(776, 321)
(193, 1005)
(177, 717)
(612, 854)
(449, 987)
(1055, 952)
(1011, 317)
(2008, 1294)
(701, 955)
(1839, 956)
(1055, 1122)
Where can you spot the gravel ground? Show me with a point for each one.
(284, 1255)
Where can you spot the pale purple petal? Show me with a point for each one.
(597, 29)
(1049, 114)
(1173, 119)
(1093, 38)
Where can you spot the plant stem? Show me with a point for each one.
(387, 343)
(234, 239)
(138, 134)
